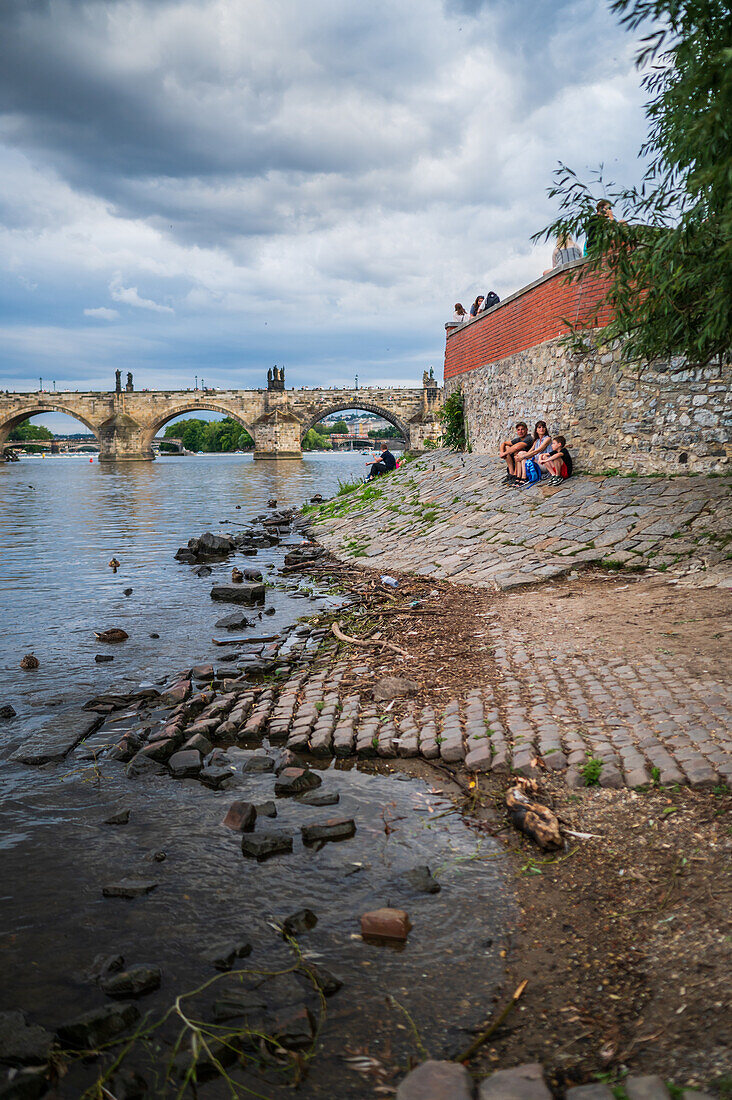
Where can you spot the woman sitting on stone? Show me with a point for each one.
(527, 474)
(460, 314)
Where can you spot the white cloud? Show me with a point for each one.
(130, 296)
(103, 313)
(315, 184)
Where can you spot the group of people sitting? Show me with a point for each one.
(481, 303)
(531, 458)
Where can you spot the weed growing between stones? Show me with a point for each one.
(591, 771)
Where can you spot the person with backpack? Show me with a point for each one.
(527, 470)
(557, 461)
(491, 299)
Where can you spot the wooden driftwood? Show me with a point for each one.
(533, 819)
(367, 644)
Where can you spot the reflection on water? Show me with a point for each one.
(60, 523)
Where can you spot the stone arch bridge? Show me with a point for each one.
(126, 421)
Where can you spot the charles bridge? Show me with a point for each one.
(126, 421)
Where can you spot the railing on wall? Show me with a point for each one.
(541, 311)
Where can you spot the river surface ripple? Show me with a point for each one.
(61, 520)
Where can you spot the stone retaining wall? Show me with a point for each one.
(665, 418)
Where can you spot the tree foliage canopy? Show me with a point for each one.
(210, 435)
(26, 430)
(670, 255)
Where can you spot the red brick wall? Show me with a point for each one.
(529, 317)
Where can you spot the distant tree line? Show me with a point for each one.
(26, 430)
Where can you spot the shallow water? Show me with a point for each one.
(56, 588)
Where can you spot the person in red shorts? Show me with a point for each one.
(557, 462)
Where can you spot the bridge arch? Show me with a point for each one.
(151, 430)
(361, 406)
(11, 422)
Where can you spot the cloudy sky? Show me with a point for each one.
(209, 187)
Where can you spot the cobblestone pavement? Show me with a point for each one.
(450, 516)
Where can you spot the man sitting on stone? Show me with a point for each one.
(511, 448)
(384, 464)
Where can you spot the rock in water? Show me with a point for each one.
(56, 738)
(21, 1043)
(337, 828)
(250, 592)
(134, 982)
(101, 1025)
(129, 888)
(319, 798)
(295, 781)
(241, 817)
(301, 921)
(261, 846)
(385, 924)
(6, 711)
(223, 955)
(421, 879)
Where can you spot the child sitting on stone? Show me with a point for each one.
(557, 461)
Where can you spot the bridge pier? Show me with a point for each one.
(277, 436)
(122, 439)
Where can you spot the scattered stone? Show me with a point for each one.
(93, 1029)
(336, 828)
(261, 846)
(202, 672)
(296, 781)
(199, 743)
(581, 1092)
(247, 592)
(650, 1087)
(301, 921)
(437, 1081)
(223, 955)
(202, 571)
(142, 764)
(185, 764)
(56, 738)
(258, 764)
(266, 809)
(103, 658)
(23, 1043)
(215, 775)
(178, 693)
(129, 888)
(319, 798)
(525, 1082)
(327, 982)
(7, 711)
(385, 924)
(293, 1028)
(393, 687)
(236, 1004)
(134, 982)
(104, 965)
(421, 878)
(236, 621)
(119, 817)
(240, 817)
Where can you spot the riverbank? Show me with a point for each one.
(399, 778)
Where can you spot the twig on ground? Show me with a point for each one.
(366, 644)
(485, 1035)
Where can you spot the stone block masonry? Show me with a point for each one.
(510, 362)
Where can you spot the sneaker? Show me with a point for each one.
(556, 479)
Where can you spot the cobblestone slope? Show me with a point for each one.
(449, 516)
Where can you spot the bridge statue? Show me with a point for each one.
(118, 381)
(276, 419)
